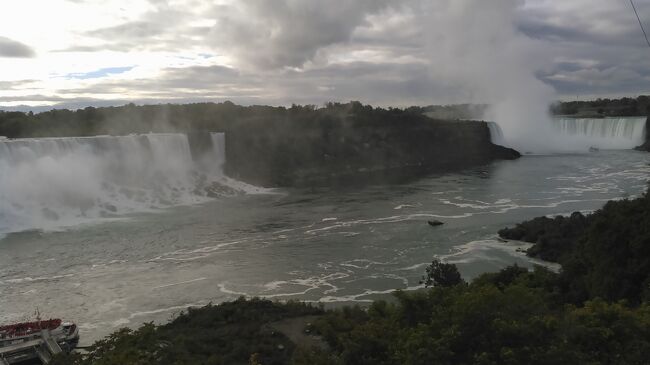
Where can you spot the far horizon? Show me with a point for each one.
(107, 104)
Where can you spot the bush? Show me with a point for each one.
(441, 274)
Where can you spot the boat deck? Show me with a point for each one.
(42, 347)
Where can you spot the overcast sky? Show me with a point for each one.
(76, 53)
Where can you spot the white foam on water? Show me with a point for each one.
(180, 283)
(358, 298)
(402, 206)
(35, 279)
(384, 220)
(361, 263)
(483, 251)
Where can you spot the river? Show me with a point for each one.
(327, 245)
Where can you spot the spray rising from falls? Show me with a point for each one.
(479, 49)
(57, 182)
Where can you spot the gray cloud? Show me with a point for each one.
(12, 48)
(595, 47)
(276, 33)
(600, 22)
(135, 29)
(13, 85)
(165, 28)
(380, 84)
(378, 51)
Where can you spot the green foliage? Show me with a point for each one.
(509, 317)
(622, 107)
(612, 258)
(504, 318)
(605, 254)
(620, 334)
(229, 333)
(441, 274)
(553, 237)
(314, 356)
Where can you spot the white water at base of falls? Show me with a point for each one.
(51, 183)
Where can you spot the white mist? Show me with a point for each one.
(475, 46)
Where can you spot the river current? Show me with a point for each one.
(331, 246)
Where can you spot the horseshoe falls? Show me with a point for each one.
(568, 135)
(604, 133)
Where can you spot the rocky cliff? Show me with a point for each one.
(339, 150)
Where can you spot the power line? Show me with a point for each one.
(640, 23)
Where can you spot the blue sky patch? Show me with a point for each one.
(99, 73)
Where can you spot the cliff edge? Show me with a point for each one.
(335, 149)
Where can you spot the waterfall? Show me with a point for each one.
(49, 183)
(496, 134)
(219, 149)
(604, 133)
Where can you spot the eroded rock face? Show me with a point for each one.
(337, 150)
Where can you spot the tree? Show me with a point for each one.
(441, 274)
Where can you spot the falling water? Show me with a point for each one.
(51, 183)
(496, 134)
(219, 150)
(602, 133)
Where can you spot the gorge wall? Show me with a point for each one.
(335, 151)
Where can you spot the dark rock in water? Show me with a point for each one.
(644, 147)
(435, 223)
(216, 190)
